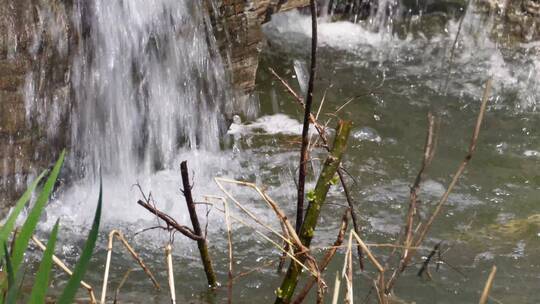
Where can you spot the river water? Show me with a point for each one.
(391, 82)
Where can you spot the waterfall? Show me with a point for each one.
(144, 85)
(147, 79)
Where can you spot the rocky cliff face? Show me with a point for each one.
(27, 55)
(237, 24)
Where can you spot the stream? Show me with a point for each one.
(384, 83)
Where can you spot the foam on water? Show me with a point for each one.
(476, 57)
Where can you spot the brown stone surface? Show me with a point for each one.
(26, 50)
(239, 34)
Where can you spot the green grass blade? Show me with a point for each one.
(30, 224)
(41, 284)
(7, 229)
(80, 269)
(11, 286)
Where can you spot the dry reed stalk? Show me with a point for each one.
(280, 248)
(292, 235)
(122, 282)
(489, 284)
(230, 248)
(63, 266)
(134, 255)
(347, 272)
(168, 255)
(337, 285)
(381, 281)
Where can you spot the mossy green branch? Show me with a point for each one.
(316, 200)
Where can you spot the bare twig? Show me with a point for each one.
(424, 229)
(461, 169)
(201, 243)
(170, 221)
(307, 114)
(381, 282)
(264, 236)
(430, 256)
(429, 151)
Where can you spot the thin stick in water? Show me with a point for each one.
(489, 284)
(168, 256)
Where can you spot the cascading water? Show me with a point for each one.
(148, 80)
(147, 89)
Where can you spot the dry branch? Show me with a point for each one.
(404, 263)
(429, 150)
(201, 243)
(170, 221)
(230, 248)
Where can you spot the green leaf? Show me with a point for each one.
(311, 196)
(10, 273)
(80, 269)
(30, 224)
(7, 229)
(41, 283)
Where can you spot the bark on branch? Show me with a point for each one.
(316, 201)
